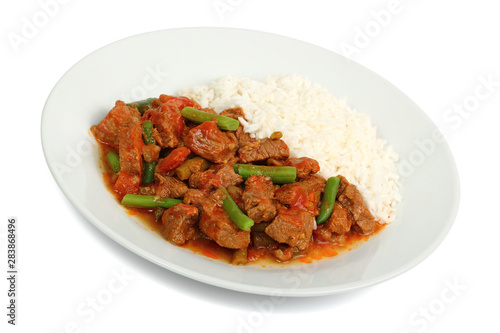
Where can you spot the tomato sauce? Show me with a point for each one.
(202, 245)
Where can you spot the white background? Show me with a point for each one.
(437, 52)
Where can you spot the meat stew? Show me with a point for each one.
(195, 180)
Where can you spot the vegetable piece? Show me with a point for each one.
(185, 170)
(278, 174)
(148, 201)
(142, 105)
(149, 167)
(261, 239)
(260, 227)
(328, 201)
(199, 117)
(174, 159)
(276, 136)
(147, 126)
(158, 213)
(239, 257)
(149, 172)
(113, 161)
(235, 214)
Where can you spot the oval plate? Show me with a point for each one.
(167, 61)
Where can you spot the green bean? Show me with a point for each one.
(147, 126)
(142, 105)
(113, 161)
(328, 200)
(149, 172)
(235, 214)
(148, 201)
(199, 117)
(278, 174)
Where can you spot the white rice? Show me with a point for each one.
(315, 124)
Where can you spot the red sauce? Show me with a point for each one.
(200, 244)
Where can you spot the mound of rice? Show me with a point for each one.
(316, 124)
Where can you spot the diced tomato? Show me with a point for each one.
(127, 184)
(297, 196)
(304, 163)
(179, 102)
(175, 119)
(174, 159)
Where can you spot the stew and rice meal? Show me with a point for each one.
(247, 171)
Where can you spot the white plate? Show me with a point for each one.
(167, 61)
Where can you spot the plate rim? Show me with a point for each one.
(231, 285)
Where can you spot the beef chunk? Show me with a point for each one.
(350, 198)
(216, 224)
(305, 166)
(262, 149)
(258, 198)
(340, 221)
(194, 197)
(292, 226)
(169, 125)
(130, 147)
(283, 253)
(108, 130)
(151, 152)
(234, 113)
(213, 178)
(178, 223)
(170, 187)
(211, 143)
(323, 234)
(305, 194)
(194, 179)
(227, 176)
(236, 194)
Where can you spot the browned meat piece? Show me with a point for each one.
(194, 179)
(283, 253)
(236, 194)
(151, 153)
(242, 136)
(216, 224)
(208, 181)
(234, 113)
(178, 223)
(108, 130)
(324, 235)
(130, 147)
(258, 198)
(228, 177)
(340, 221)
(262, 149)
(305, 166)
(211, 143)
(305, 194)
(215, 177)
(292, 226)
(194, 197)
(170, 187)
(350, 198)
(169, 125)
